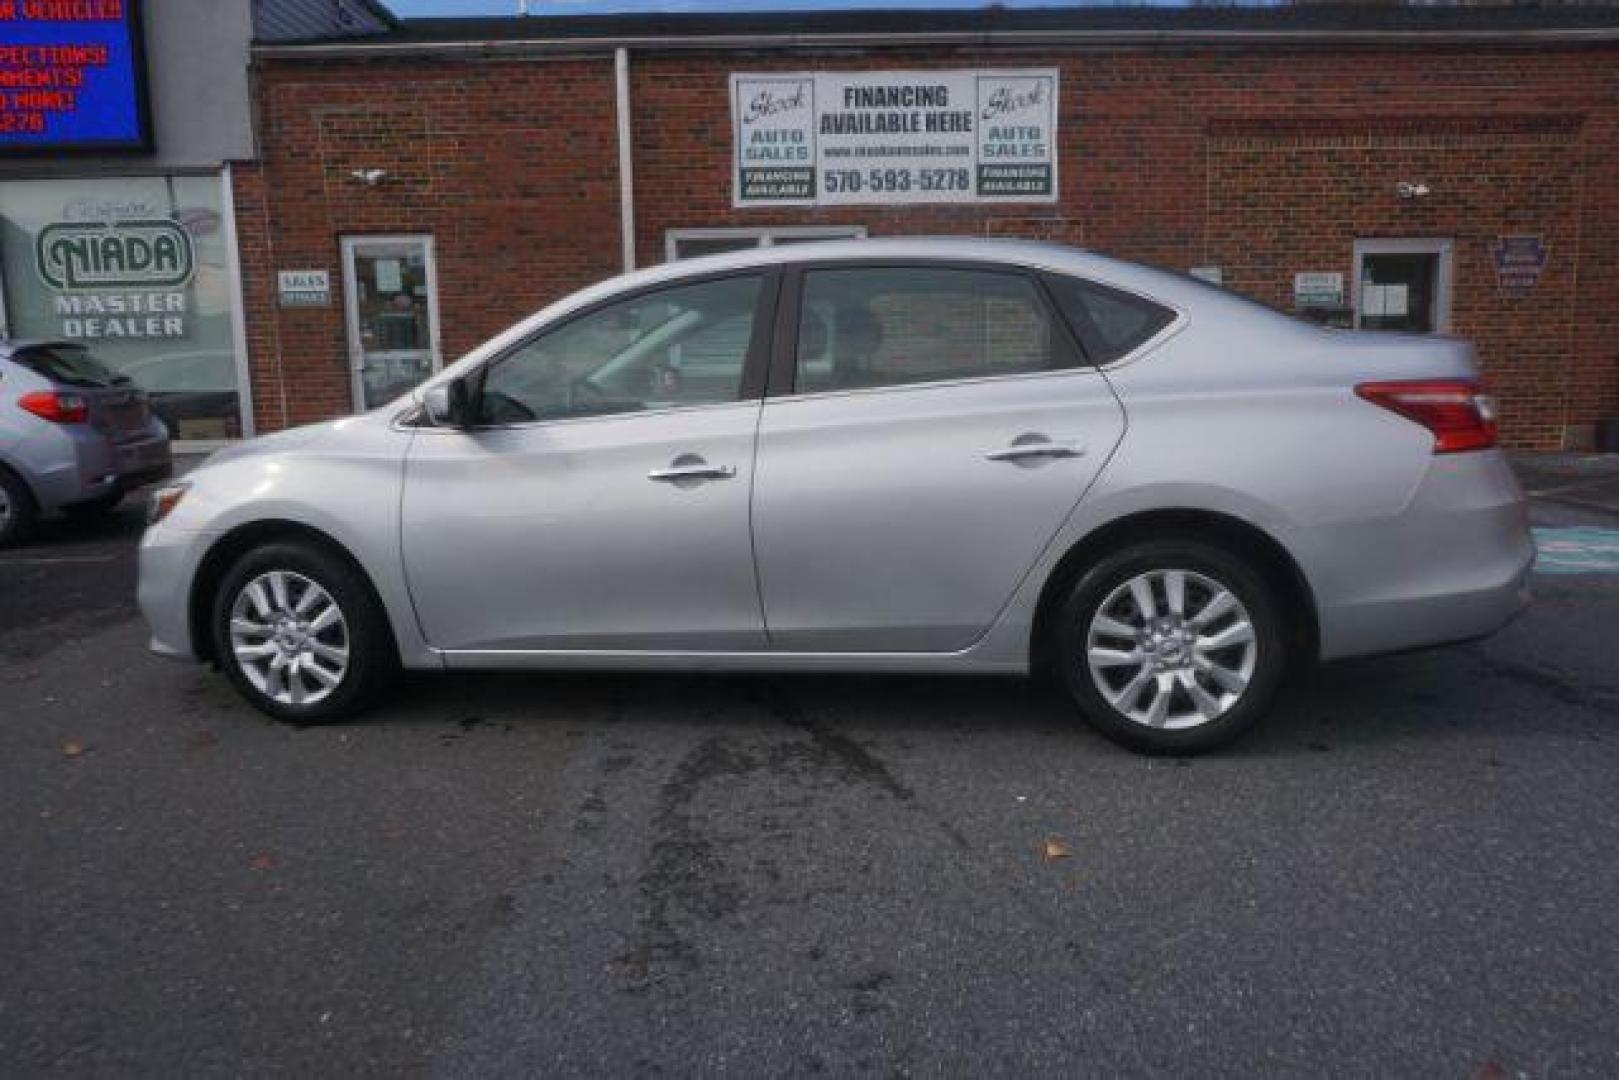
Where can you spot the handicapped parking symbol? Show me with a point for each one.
(1583, 549)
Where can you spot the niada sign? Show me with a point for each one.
(117, 279)
(153, 254)
(841, 138)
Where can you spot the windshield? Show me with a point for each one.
(69, 365)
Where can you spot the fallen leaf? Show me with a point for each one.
(1053, 849)
(263, 861)
(73, 749)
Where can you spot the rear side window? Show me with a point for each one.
(68, 365)
(1108, 322)
(887, 326)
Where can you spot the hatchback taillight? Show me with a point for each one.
(56, 407)
(1458, 411)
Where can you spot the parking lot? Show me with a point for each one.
(1410, 870)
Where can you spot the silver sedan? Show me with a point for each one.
(942, 456)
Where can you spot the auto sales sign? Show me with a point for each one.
(842, 139)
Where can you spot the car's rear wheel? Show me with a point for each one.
(301, 635)
(17, 510)
(1172, 646)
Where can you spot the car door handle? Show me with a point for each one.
(696, 471)
(1043, 448)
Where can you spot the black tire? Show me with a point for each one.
(95, 508)
(372, 656)
(17, 510)
(1105, 586)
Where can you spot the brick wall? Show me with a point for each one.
(1263, 161)
(1280, 197)
(511, 167)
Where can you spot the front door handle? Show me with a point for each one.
(1030, 447)
(691, 467)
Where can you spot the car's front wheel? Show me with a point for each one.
(1172, 646)
(300, 633)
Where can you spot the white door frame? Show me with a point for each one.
(238, 305)
(1442, 247)
(351, 309)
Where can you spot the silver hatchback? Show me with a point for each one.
(75, 435)
(941, 456)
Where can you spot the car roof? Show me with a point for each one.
(1163, 285)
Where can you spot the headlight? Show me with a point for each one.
(164, 500)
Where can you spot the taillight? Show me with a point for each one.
(56, 407)
(1458, 411)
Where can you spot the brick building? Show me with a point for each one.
(1419, 168)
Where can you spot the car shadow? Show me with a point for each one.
(1440, 694)
(54, 533)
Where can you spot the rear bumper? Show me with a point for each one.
(1452, 566)
(77, 464)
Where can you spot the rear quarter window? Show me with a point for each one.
(1109, 323)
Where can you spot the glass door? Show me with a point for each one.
(1403, 285)
(391, 296)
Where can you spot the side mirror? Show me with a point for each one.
(449, 404)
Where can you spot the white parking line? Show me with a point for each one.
(1581, 549)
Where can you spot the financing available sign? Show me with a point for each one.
(861, 138)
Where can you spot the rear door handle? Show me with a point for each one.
(682, 469)
(1036, 448)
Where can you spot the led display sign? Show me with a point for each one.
(71, 76)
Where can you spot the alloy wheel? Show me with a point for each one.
(1171, 649)
(289, 637)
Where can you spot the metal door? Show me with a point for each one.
(898, 517)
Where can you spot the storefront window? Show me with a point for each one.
(138, 269)
(691, 243)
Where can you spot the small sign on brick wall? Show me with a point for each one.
(1318, 288)
(304, 288)
(1519, 261)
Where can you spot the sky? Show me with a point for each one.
(413, 8)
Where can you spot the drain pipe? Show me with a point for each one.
(626, 163)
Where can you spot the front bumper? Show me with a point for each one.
(169, 560)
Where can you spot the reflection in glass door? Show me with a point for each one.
(391, 295)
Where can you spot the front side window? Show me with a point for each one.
(675, 347)
(887, 326)
(1109, 323)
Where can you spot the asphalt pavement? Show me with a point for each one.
(1411, 870)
